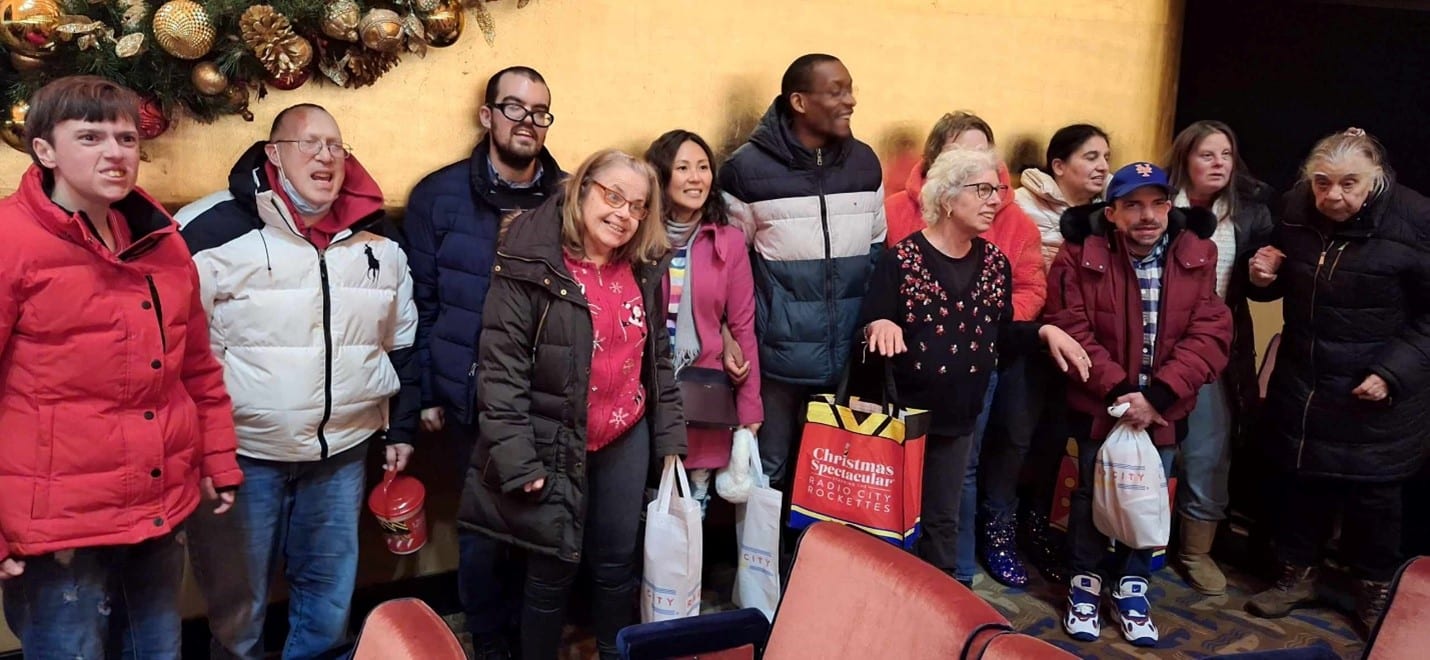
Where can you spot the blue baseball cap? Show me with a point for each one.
(1137, 175)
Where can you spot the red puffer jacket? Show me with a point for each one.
(1093, 295)
(111, 405)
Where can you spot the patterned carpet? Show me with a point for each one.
(1191, 625)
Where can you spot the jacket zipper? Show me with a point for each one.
(327, 354)
(1311, 359)
(158, 311)
(828, 255)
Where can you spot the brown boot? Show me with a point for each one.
(1296, 587)
(1372, 597)
(1195, 556)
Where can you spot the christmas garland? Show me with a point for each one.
(205, 58)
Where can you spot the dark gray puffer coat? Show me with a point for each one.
(532, 380)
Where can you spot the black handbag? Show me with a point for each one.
(707, 398)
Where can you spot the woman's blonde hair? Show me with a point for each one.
(649, 243)
(1336, 147)
(946, 177)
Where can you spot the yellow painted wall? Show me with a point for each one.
(622, 71)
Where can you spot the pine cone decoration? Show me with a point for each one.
(270, 36)
(366, 66)
(353, 66)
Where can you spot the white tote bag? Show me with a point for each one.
(757, 531)
(1129, 491)
(674, 545)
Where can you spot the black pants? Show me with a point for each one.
(615, 485)
(489, 573)
(1370, 524)
(1088, 547)
(1047, 405)
(945, 462)
(1011, 425)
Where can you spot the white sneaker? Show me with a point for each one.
(1084, 600)
(1134, 611)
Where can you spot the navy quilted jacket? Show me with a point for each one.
(450, 234)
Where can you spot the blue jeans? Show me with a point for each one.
(967, 565)
(303, 516)
(106, 601)
(1206, 459)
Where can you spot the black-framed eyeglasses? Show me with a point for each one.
(983, 190)
(616, 200)
(518, 113)
(337, 150)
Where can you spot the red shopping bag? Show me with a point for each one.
(862, 465)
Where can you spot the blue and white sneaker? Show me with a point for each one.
(1134, 612)
(1084, 599)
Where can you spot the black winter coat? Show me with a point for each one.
(1254, 226)
(533, 376)
(1356, 302)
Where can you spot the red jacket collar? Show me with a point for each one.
(360, 198)
(147, 219)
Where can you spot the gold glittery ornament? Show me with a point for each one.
(381, 30)
(207, 78)
(183, 29)
(444, 23)
(487, 24)
(129, 45)
(12, 129)
(340, 20)
(28, 27)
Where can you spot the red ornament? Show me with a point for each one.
(291, 81)
(152, 122)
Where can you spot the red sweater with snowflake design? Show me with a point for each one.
(616, 400)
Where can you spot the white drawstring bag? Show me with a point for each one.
(1129, 491)
(734, 482)
(674, 547)
(757, 532)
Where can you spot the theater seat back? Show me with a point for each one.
(406, 629)
(851, 595)
(1402, 632)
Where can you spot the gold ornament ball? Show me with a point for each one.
(444, 24)
(28, 27)
(26, 62)
(340, 20)
(12, 129)
(208, 79)
(183, 29)
(381, 30)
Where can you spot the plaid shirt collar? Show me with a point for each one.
(1154, 258)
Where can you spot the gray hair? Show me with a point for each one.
(1338, 146)
(946, 177)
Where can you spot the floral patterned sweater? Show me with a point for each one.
(617, 398)
(956, 314)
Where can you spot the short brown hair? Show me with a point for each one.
(948, 127)
(82, 98)
(649, 243)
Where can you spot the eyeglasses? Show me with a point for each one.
(983, 190)
(337, 150)
(616, 200)
(518, 113)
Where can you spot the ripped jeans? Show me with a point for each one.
(107, 601)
